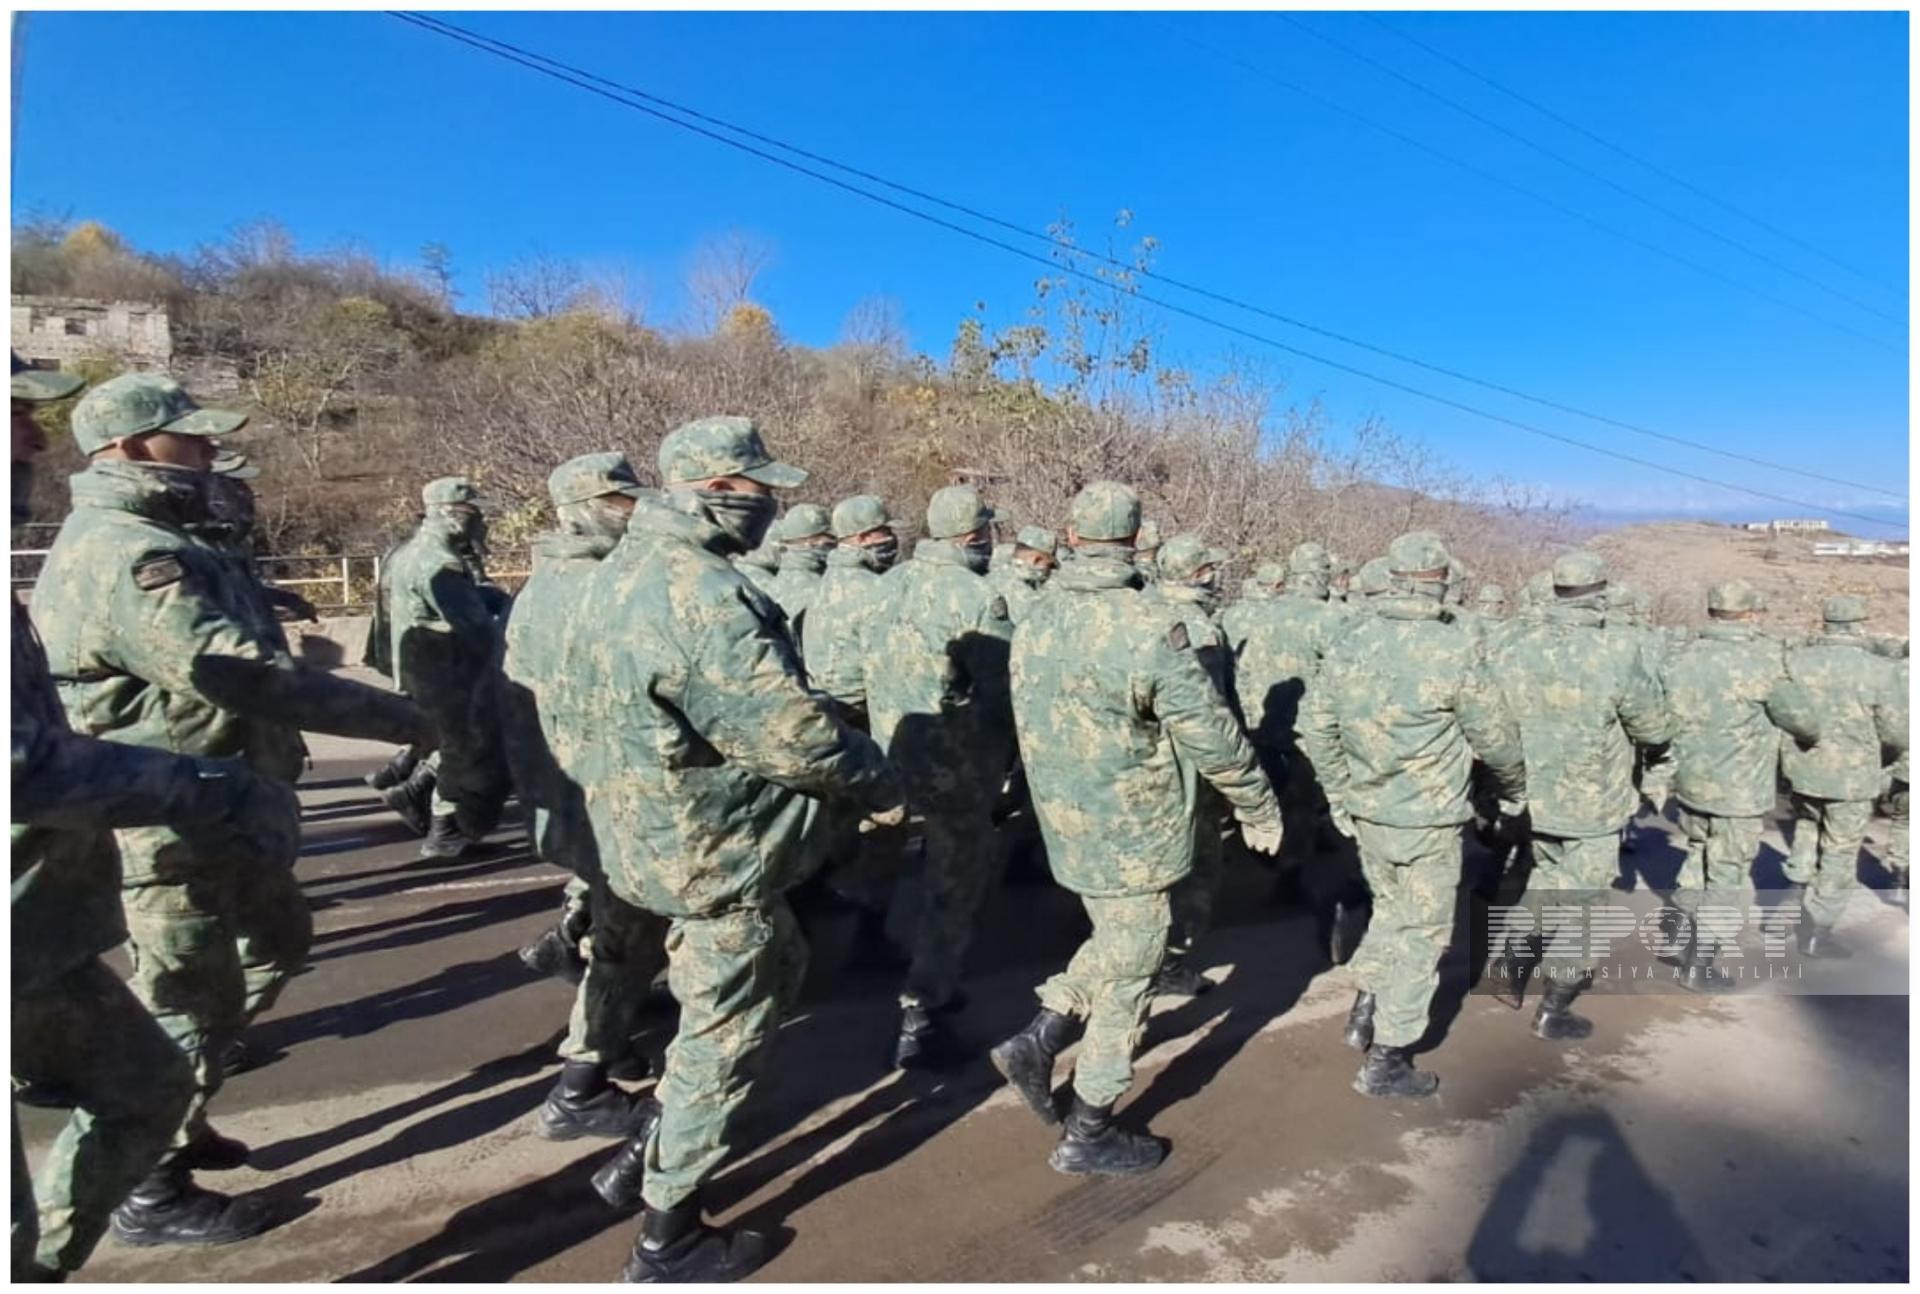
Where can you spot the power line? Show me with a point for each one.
(1587, 171)
(1198, 290)
(1572, 213)
(1635, 158)
(561, 72)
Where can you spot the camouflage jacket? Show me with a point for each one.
(702, 793)
(1863, 712)
(1731, 699)
(1898, 769)
(1204, 632)
(847, 595)
(440, 616)
(937, 680)
(1583, 700)
(536, 697)
(152, 644)
(1277, 647)
(1020, 595)
(1401, 708)
(1117, 722)
(794, 586)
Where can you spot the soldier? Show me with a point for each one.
(593, 498)
(1340, 574)
(1863, 710)
(1268, 581)
(1584, 701)
(1189, 588)
(1030, 563)
(1277, 650)
(160, 648)
(1401, 708)
(1732, 702)
(81, 1040)
(1146, 553)
(701, 790)
(1490, 603)
(1116, 717)
(937, 691)
(231, 504)
(805, 536)
(442, 613)
(760, 566)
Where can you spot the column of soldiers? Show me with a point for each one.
(710, 711)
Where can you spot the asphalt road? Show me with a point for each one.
(1758, 1136)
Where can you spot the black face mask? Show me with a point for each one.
(744, 517)
(979, 555)
(883, 555)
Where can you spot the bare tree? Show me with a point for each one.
(721, 275)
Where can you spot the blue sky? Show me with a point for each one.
(355, 127)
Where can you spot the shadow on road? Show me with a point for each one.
(446, 990)
(442, 922)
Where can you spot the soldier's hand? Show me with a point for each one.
(1262, 837)
(1341, 819)
(884, 819)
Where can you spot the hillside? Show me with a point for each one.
(1675, 561)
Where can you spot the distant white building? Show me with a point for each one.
(55, 332)
(1789, 526)
(1863, 548)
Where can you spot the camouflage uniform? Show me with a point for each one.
(1146, 552)
(1402, 706)
(1019, 581)
(1862, 711)
(444, 646)
(1278, 646)
(1117, 723)
(1188, 588)
(157, 644)
(1732, 703)
(937, 694)
(806, 537)
(847, 598)
(761, 567)
(1584, 701)
(625, 948)
(702, 792)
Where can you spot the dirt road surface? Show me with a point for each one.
(1743, 1137)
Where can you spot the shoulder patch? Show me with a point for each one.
(999, 609)
(157, 573)
(1177, 637)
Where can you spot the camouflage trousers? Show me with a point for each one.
(85, 1043)
(1720, 852)
(734, 974)
(1191, 900)
(859, 866)
(1108, 984)
(1414, 873)
(471, 780)
(209, 954)
(1896, 803)
(1827, 835)
(960, 854)
(1570, 874)
(625, 948)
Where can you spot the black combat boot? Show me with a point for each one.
(445, 839)
(393, 772)
(238, 1058)
(1178, 978)
(1026, 1060)
(1388, 1072)
(1359, 1033)
(630, 1068)
(584, 1104)
(924, 1042)
(618, 1181)
(1697, 973)
(1897, 881)
(556, 955)
(169, 1209)
(676, 1248)
(1555, 1021)
(213, 1152)
(412, 799)
(1093, 1144)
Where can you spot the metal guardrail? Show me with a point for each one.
(349, 579)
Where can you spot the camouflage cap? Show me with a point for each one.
(39, 384)
(1735, 595)
(135, 404)
(1147, 538)
(956, 510)
(235, 467)
(803, 521)
(1578, 573)
(722, 446)
(1038, 538)
(1105, 512)
(1844, 609)
(1309, 559)
(593, 476)
(1270, 575)
(444, 491)
(1373, 578)
(1491, 595)
(1418, 552)
(859, 514)
(1186, 555)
